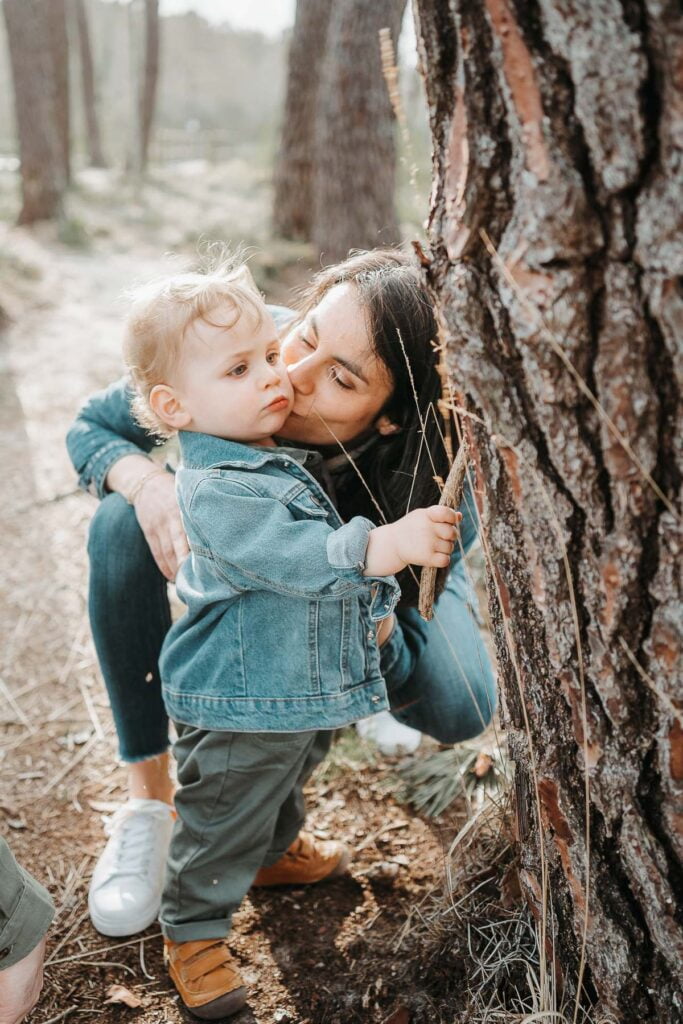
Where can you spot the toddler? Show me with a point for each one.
(278, 644)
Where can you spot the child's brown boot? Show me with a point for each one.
(206, 977)
(307, 860)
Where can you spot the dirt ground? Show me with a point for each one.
(337, 953)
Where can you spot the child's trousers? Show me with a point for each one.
(240, 806)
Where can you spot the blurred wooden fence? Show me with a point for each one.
(168, 145)
(174, 144)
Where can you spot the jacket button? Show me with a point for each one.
(375, 699)
(4, 953)
(371, 635)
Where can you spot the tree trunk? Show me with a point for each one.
(558, 132)
(292, 205)
(353, 202)
(59, 45)
(151, 76)
(40, 150)
(92, 124)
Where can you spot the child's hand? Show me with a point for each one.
(425, 536)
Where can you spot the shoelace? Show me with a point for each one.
(134, 835)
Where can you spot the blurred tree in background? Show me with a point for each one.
(295, 165)
(89, 92)
(38, 92)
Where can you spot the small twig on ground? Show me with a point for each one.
(104, 949)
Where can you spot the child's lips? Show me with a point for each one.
(281, 402)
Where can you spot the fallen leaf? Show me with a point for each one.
(122, 995)
(483, 765)
(399, 1016)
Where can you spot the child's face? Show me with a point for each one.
(230, 381)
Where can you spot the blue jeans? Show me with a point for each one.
(438, 674)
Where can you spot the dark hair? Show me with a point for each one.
(400, 468)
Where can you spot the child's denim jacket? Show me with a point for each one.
(279, 632)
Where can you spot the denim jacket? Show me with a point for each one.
(279, 633)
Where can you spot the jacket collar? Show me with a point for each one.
(204, 451)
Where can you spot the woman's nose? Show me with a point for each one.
(301, 376)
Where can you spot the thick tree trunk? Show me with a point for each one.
(92, 124)
(292, 205)
(558, 132)
(59, 46)
(41, 152)
(353, 200)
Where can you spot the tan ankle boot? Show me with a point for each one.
(206, 977)
(307, 860)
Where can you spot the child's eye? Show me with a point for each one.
(272, 357)
(238, 371)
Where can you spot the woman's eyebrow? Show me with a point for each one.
(353, 368)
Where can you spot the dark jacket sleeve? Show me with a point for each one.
(26, 910)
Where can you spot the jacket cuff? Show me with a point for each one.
(94, 474)
(346, 551)
(27, 923)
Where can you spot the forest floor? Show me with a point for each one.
(371, 947)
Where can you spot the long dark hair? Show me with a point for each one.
(401, 469)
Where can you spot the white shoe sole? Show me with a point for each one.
(116, 931)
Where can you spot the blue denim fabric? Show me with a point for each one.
(279, 630)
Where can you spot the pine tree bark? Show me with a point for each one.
(558, 132)
(92, 124)
(353, 196)
(292, 204)
(41, 152)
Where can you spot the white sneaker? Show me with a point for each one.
(125, 891)
(391, 737)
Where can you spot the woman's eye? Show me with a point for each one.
(305, 341)
(238, 371)
(339, 380)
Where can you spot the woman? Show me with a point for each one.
(362, 363)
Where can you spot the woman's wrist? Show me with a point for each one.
(129, 474)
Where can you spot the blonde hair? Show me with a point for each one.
(159, 315)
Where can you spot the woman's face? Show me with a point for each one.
(339, 384)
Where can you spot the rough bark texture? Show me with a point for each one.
(40, 150)
(353, 198)
(59, 48)
(558, 129)
(92, 124)
(293, 207)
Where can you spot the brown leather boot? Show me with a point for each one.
(307, 860)
(206, 977)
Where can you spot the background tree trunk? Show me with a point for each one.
(150, 78)
(292, 205)
(353, 202)
(59, 44)
(92, 124)
(560, 134)
(33, 72)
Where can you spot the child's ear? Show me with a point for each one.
(165, 404)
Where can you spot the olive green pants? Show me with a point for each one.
(240, 806)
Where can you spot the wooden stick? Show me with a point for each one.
(451, 496)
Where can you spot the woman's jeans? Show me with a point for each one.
(438, 673)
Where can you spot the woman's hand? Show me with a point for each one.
(151, 490)
(425, 536)
(156, 507)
